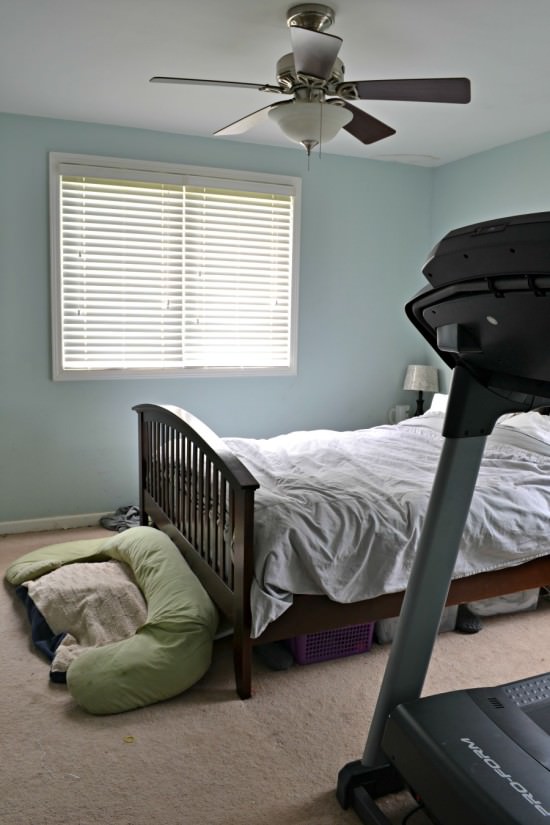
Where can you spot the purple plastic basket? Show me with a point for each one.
(332, 644)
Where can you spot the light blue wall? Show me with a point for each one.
(70, 448)
(509, 180)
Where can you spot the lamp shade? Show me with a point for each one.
(310, 122)
(421, 378)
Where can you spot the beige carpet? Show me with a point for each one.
(207, 758)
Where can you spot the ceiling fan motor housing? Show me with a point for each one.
(289, 80)
(312, 16)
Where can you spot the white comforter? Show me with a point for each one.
(340, 513)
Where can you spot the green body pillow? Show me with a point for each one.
(168, 654)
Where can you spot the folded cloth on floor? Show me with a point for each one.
(43, 637)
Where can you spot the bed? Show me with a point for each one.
(279, 533)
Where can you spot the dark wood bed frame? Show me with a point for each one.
(188, 476)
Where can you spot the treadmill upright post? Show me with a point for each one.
(472, 411)
(428, 585)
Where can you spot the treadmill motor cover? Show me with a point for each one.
(479, 756)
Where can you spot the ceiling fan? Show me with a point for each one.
(314, 75)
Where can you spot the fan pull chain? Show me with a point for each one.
(321, 130)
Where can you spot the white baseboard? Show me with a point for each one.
(36, 525)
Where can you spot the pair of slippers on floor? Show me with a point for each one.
(121, 519)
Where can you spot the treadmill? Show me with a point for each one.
(481, 756)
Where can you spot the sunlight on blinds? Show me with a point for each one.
(238, 256)
(166, 276)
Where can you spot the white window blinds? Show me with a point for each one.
(170, 274)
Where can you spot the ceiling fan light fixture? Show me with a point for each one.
(310, 122)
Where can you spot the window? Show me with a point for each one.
(164, 270)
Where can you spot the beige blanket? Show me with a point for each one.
(94, 603)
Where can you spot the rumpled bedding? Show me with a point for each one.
(340, 513)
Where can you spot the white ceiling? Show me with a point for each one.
(91, 60)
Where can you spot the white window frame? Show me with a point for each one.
(62, 163)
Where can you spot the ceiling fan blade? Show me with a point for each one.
(249, 121)
(429, 89)
(193, 81)
(365, 127)
(314, 52)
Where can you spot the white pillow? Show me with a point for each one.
(529, 423)
(439, 402)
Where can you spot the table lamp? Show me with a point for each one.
(423, 379)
